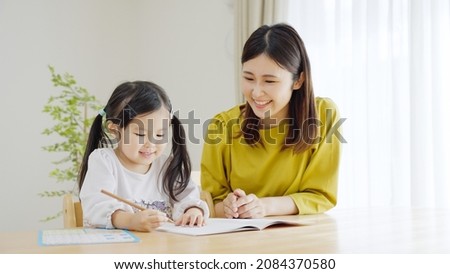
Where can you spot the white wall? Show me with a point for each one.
(184, 46)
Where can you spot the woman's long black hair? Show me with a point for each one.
(132, 99)
(282, 43)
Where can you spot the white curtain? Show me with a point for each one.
(250, 15)
(386, 63)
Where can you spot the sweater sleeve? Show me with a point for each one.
(318, 190)
(97, 207)
(216, 160)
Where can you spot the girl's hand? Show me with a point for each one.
(147, 220)
(192, 216)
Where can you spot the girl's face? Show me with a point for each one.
(268, 88)
(143, 140)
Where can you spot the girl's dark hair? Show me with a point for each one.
(282, 43)
(132, 99)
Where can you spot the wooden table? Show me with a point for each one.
(371, 230)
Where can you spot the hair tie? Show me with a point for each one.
(102, 112)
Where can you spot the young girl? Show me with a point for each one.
(136, 123)
(278, 154)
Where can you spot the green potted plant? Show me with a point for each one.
(71, 109)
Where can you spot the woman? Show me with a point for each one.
(278, 154)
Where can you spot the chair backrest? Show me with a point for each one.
(204, 195)
(73, 213)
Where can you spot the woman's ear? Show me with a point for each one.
(298, 84)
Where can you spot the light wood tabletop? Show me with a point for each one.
(349, 231)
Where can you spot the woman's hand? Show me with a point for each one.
(192, 216)
(230, 207)
(249, 206)
(240, 205)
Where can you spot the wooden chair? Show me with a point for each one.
(206, 196)
(73, 213)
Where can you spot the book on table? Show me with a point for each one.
(223, 225)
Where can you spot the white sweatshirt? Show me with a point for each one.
(106, 172)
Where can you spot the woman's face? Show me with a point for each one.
(268, 88)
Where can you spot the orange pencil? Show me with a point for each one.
(126, 201)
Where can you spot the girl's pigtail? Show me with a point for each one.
(95, 136)
(178, 172)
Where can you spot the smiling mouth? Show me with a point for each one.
(260, 103)
(147, 154)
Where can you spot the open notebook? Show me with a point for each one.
(222, 225)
